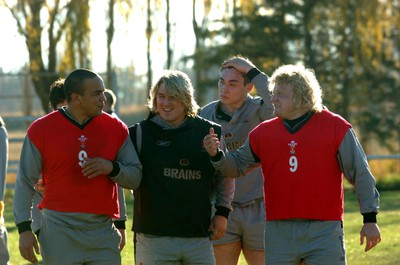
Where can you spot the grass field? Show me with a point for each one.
(386, 253)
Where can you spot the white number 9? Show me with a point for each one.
(293, 163)
(82, 155)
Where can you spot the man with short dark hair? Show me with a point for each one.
(238, 113)
(57, 96)
(111, 100)
(80, 172)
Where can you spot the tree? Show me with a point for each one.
(352, 47)
(248, 28)
(70, 21)
(379, 81)
(168, 33)
(149, 34)
(110, 35)
(199, 59)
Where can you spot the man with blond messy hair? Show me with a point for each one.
(303, 153)
(172, 207)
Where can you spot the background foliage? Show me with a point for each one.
(352, 45)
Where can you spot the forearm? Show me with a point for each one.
(29, 170)
(120, 222)
(127, 169)
(122, 204)
(260, 81)
(355, 167)
(225, 164)
(237, 163)
(224, 193)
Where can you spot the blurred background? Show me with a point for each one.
(352, 45)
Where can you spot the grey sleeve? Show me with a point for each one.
(3, 161)
(355, 168)
(36, 213)
(260, 82)
(225, 187)
(122, 204)
(237, 163)
(130, 173)
(29, 170)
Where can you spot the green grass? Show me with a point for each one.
(386, 253)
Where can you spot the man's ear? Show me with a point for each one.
(75, 98)
(249, 87)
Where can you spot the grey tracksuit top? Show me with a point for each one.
(235, 131)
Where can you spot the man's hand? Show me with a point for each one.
(371, 232)
(218, 227)
(211, 143)
(241, 64)
(39, 186)
(94, 167)
(28, 246)
(123, 239)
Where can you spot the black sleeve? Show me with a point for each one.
(369, 217)
(119, 224)
(252, 73)
(24, 226)
(223, 211)
(132, 134)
